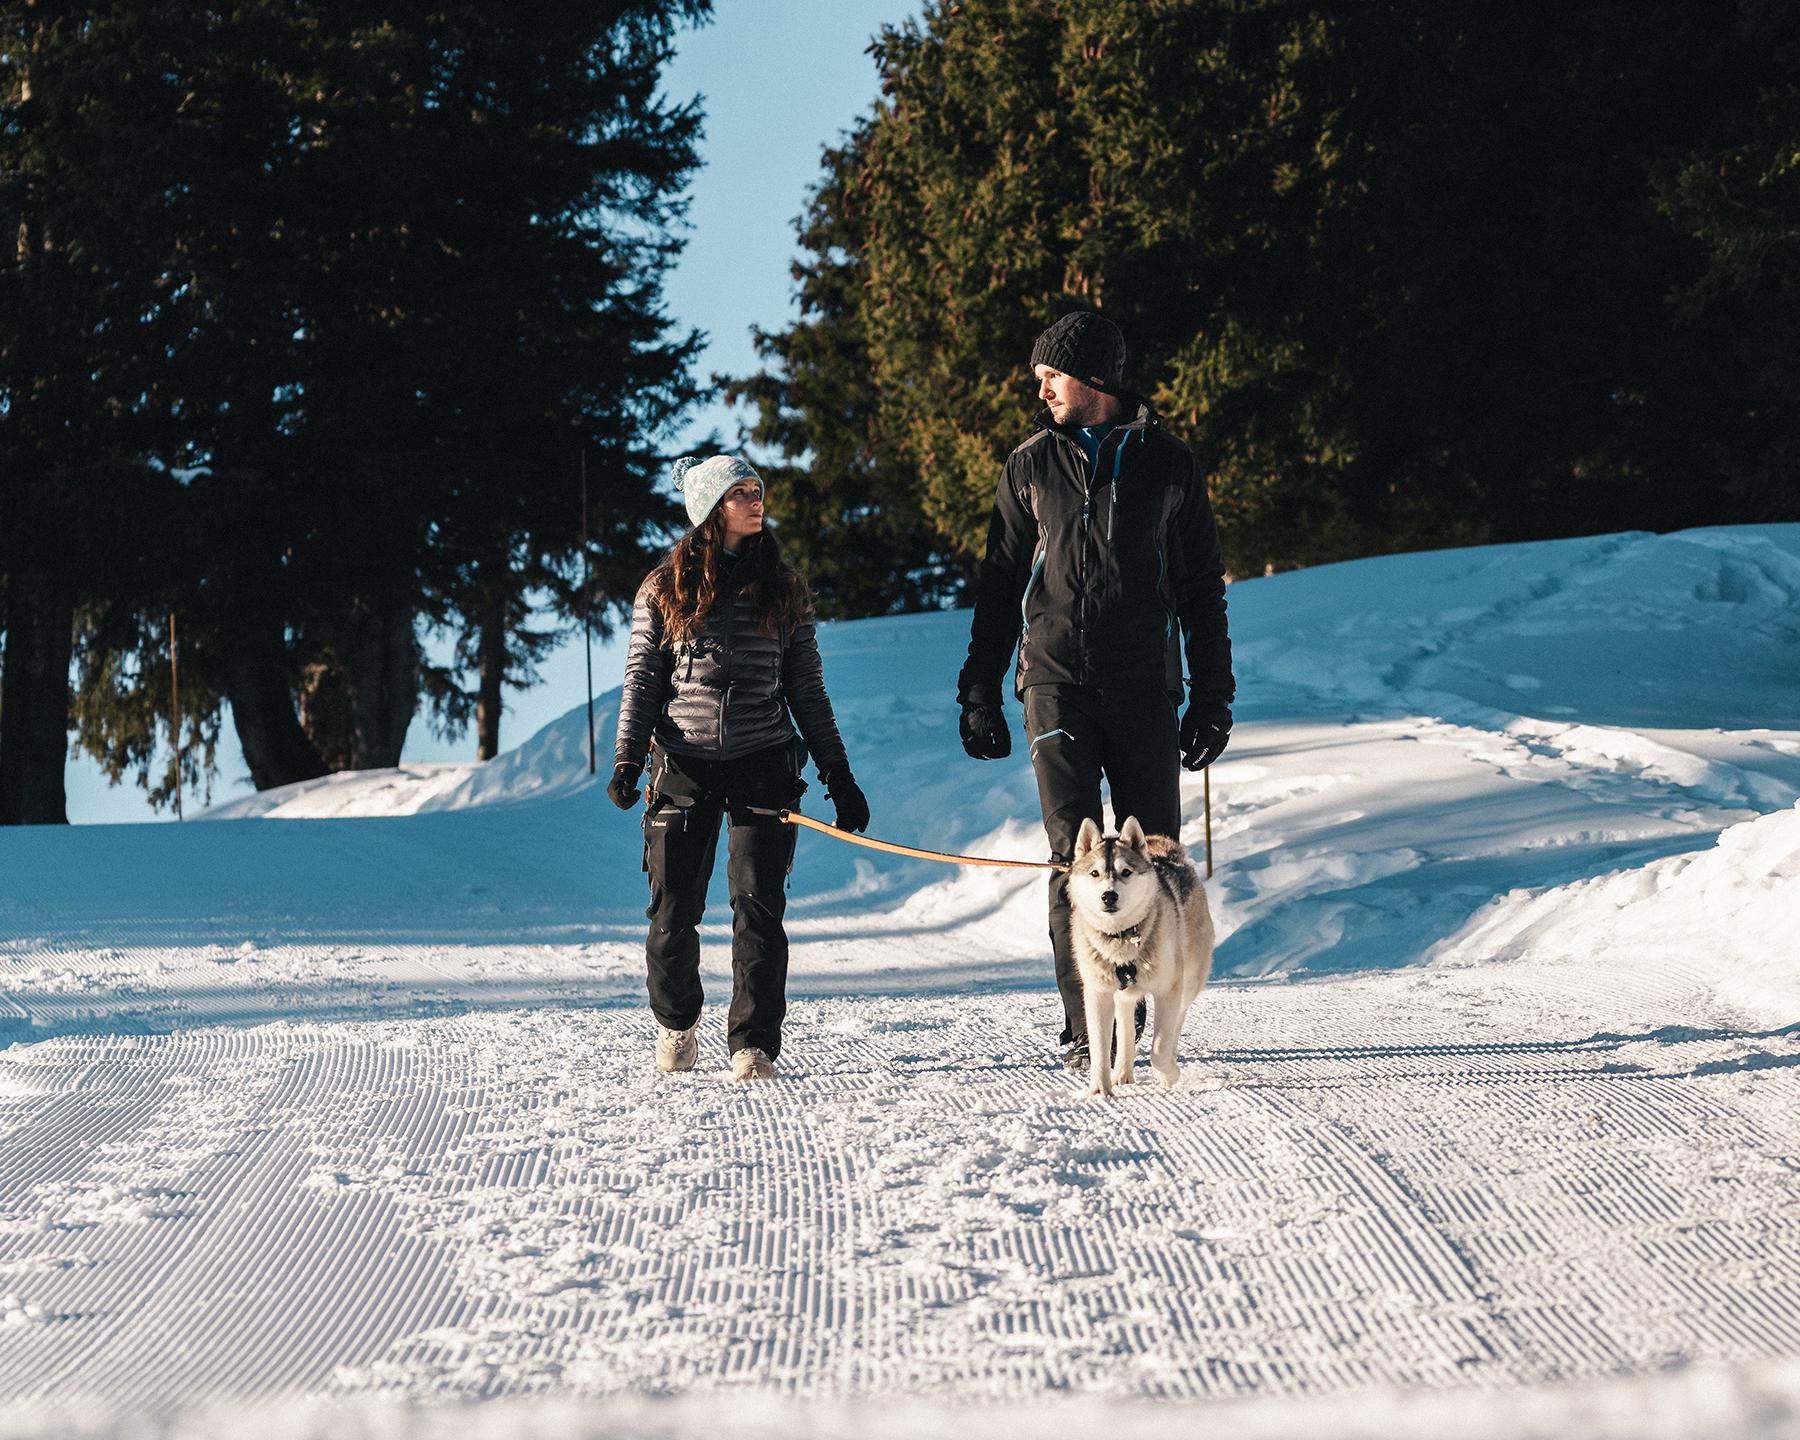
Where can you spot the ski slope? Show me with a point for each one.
(1488, 1120)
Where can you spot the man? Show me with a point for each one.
(1102, 558)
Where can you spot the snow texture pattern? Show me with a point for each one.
(1488, 1118)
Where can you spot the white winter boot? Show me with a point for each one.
(751, 1064)
(677, 1049)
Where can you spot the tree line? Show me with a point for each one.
(309, 312)
(1405, 273)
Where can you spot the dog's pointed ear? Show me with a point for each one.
(1131, 833)
(1087, 837)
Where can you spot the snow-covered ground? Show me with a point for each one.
(1490, 1122)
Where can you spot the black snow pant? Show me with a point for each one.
(1079, 733)
(688, 798)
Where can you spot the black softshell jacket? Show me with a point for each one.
(1099, 572)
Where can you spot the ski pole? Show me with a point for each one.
(587, 619)
(1206, 790)
(175, 711)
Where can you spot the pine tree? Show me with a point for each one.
(1397, 271)
(1734, 192)
(848, 508)
(83, 337)
(568, 140)
(368, 283)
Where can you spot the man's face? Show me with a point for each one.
(1071, 401)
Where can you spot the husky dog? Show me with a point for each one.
(1138, 917)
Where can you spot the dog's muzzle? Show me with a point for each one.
(1109, 900)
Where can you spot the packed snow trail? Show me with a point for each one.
(1377, 1180)
(362, 1108)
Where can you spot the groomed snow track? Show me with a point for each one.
(1361, 1182)
(1502, 1088)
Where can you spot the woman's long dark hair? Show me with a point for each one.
(685, 586)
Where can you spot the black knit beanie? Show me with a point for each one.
(1084, 345)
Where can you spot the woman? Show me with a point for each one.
(722, 650)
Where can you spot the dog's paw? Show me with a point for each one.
(1169, 1076)
(1122, 1077)
(1096, 1088)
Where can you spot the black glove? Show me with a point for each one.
(984, 732)
(622, 789)
(1205, 731)
(848, 800)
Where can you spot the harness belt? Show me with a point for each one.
(794, 817)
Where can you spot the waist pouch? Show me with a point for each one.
(768, 779)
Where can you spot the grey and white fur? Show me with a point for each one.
(1141, 929)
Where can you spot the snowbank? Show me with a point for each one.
(1729, 915)
(1694, 632)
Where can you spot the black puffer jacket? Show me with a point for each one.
(728, 692)
(1103, 569)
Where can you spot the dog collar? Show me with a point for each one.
(1135, 934)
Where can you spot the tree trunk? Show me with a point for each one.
(325, 713)
(357, 699)
(262, 707)
(491, 663)
(34, 698)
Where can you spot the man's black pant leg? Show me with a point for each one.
(1142, 759)
(1067, 742)
(1079, 734)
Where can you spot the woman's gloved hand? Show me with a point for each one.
(848, 800)
(622, 789)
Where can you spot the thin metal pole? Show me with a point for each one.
(587, 631)
(175, 711)
(1207, 776)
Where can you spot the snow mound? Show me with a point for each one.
(1593, 642)
(550, 765)
(404, 790)
(1737, 906)
(1693, 628)
(1435, 753)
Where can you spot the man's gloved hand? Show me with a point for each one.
(1205, 731)
(848, 800)
(984, 732)
(622, 789)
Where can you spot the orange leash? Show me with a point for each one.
(794, 817)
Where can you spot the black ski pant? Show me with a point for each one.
(1078, 734)
(688, 798)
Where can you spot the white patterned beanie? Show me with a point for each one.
(702, 482)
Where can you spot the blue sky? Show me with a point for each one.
(781, 79)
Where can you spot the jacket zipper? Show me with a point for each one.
(1037, 570)
(725, 667)
(1092, 473)
(1113, 512)
(1162, 594)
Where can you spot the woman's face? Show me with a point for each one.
(742, 507)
